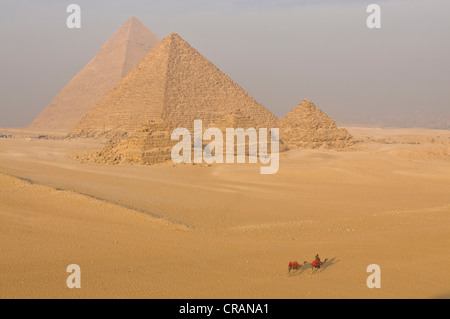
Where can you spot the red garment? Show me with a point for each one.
(316, 263)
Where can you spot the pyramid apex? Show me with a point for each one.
(135, 31)
(129, 22)
(174, 37)
(308, 103)
(133, 21)
(133, 28)
(118, 55)
(306, 106)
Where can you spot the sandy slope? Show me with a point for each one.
(227, 231)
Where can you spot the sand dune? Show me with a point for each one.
(225, 231)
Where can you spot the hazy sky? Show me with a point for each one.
(278, 51)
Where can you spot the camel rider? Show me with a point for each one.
(317, 262)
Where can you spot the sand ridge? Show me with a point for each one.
(355, 208)
(153, 229)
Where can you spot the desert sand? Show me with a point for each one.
(225, 231)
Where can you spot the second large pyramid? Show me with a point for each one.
(173, 83)
(115, 59)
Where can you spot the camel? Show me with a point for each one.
(317, 263)
(295, 265)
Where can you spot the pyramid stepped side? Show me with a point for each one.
(137, 99)
(116, 57)
(196, 89)
(150, 145)
(237, 119)
(308, 127)
(174, 83)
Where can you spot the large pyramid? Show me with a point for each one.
(176, 84)
(308, 127)
(114, 60)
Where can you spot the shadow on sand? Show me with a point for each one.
(300, 271)
(307, 266)
(329, 263)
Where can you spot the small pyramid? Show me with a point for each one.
(150, 145)
(173, 83)
(126, 47)
(308, 127)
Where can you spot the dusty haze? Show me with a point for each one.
(279, 52)
(355, 195)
